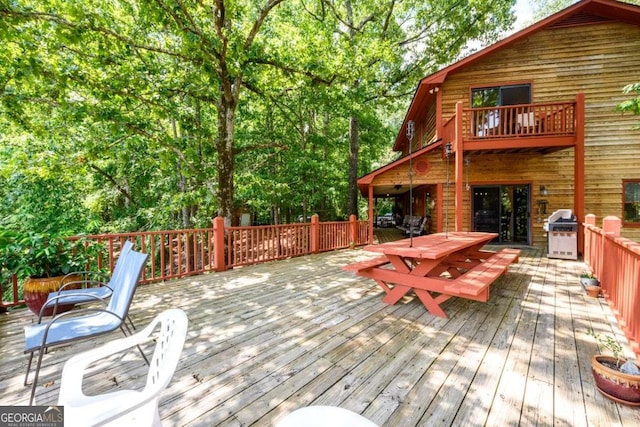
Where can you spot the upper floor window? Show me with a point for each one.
(631, 202)
(492, 115)
(497, 96)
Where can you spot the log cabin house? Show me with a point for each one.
(506, 136)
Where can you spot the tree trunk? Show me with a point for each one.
(354, 142)
(354, 148)
(226, 123)
(182, 182)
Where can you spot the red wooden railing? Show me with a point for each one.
(513, 121)
(336, 235)
(182, 253)
(251, 245)
(615, 261)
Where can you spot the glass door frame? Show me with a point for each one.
(497, 217)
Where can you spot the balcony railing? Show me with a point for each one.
(517, 121)
(182, 253)
(615, 261)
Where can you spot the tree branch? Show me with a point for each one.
(286, 68)
(50, 17)
(113, 181)
(259, 21)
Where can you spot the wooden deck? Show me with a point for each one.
(266, 339)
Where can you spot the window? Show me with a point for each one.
(631, 202)
(488, 121)
(501, 95)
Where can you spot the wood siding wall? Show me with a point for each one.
(516, 168)
(598, 60)
(426, 131)
(430, 124)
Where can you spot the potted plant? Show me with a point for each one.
(39, 261)
(615, 377)
(590, 283)
(588, 279)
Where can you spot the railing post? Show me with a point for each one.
(578, 163)
(458, 149)
(371, 216)
(611, 225)
(353, 230)
(218, 244)
(315, 234)
(590, 219)
(588, 241)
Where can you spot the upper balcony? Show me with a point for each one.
(531, 127)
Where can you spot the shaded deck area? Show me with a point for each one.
(266, 339)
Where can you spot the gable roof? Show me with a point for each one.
(584, 12)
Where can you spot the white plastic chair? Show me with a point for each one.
(324, 416)
(125, 407)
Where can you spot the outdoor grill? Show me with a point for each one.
(562, 235)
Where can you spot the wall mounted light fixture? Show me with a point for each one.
(411, 129)
(448, 149)
(543, 191)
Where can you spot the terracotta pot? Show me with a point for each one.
(616, 385)
(593, 291)
(36, 291)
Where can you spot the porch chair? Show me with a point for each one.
(324, 416)
(125, 407)
(89, 322)
(416, 227)
(94, 286)
(405, 223)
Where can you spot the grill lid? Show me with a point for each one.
(561, 215)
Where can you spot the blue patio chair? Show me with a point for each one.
(88, 322)
(94, 286)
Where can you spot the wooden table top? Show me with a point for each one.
(432, 246)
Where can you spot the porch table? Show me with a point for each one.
(436, 267)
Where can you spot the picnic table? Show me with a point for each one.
(436, 267)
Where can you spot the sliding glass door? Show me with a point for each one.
(502, 209)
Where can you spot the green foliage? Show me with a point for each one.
(587, 275)
(544, 8)
(29, 254)
(127, 115)
(607, 342)
(631, 105)
(42, 187)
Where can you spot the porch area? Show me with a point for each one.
(266, 339)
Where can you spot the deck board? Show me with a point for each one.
(264, 340)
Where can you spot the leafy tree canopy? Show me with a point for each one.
(124, 115)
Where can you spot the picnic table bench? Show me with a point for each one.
(363, 265)
(436, 267)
